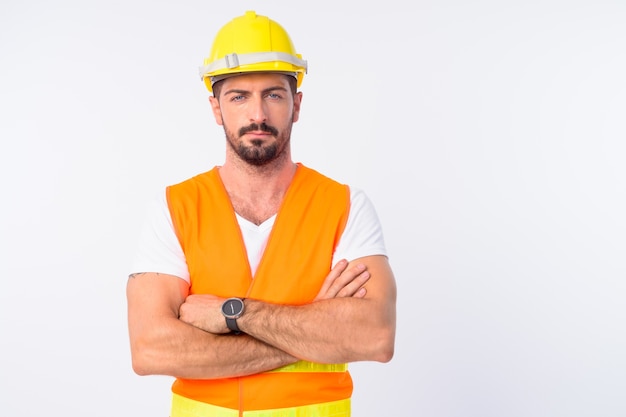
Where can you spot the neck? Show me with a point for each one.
(257, 192)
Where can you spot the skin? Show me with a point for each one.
(352, 318)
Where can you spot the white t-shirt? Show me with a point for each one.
(159, 249)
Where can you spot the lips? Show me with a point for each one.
(256, 129)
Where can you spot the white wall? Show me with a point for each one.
(490, 135)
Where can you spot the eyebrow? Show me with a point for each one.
(266, 90)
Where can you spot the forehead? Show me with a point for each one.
(256, 81)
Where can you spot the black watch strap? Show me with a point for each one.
(232, 325)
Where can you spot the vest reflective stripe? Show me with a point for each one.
(304, 366)
(184, 407)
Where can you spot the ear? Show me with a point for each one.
(217, 111)
(297, 102)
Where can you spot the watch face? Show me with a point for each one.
(232, 308)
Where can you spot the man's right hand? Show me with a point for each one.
(344, 282)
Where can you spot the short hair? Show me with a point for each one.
(293, 84)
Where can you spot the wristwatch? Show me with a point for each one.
(232, 309)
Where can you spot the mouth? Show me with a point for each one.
(258, 130)
(258, 133)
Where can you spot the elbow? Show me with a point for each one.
(377, 347)
(386, 348)
(386, 355)
(142, 360)
(140, 367)
(377, 343)
(383, 348)
(139, 364)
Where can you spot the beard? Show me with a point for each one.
(257, 153)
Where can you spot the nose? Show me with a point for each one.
(258, 110)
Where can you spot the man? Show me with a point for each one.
(232, 291)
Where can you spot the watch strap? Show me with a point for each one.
(232, 325)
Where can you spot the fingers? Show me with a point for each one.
(330, 279)
(349, 283)
(344, 282)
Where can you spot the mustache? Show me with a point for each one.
(262, 127)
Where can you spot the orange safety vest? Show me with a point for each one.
(296, 260)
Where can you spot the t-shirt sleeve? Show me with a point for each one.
(158, 248)
(363, 235)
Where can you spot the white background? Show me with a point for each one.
(489, 134)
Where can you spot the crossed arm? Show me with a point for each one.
(174, 333)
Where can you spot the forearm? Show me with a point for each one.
(328, 331)
(177, 349)
(334, 328)
(162, 344)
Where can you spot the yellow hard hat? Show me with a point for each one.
(251, 43)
